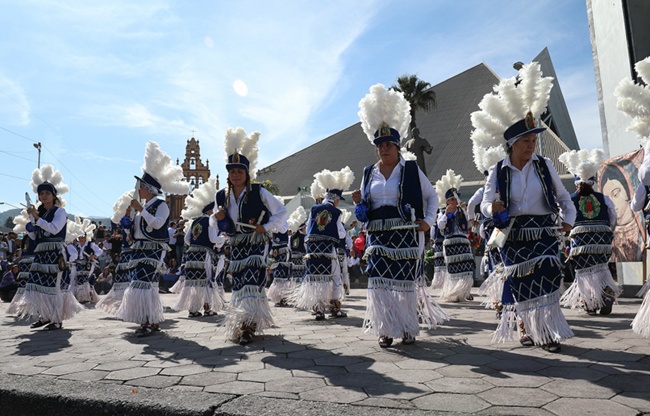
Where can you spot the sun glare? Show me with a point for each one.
(240, 88)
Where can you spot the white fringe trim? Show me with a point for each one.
(588, 288)
(591, 249)
(492, 288)
(594, 228)
(111, 302)
(383, 225)
(641, 322)
(192, 297)
(248, 307)
(279, 289)
(543, 319)
(507, 327)
(86, 293)
(527, 267)
(314, 292)
(457, 258)
(457, 287)
(393, 253)
(257, 260)
(141, 304)
(439, 277)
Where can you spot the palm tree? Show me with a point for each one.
(271, 187)
(417, 92)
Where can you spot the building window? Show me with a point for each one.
(192, 163)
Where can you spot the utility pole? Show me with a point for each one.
(38, 147)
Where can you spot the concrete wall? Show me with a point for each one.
(611, 65)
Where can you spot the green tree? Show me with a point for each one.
(9, 222)
(418, 93)
(271, 187)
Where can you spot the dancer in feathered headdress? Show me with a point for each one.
(296, 224)
(398, 205)
(141, 301)
(634, 100)
(593, 288)
(247, 213)
(459, 258)
(280, 266)
(121, 276)
(491, 264)
(321, 288)
(523, 191)
(47, 293)
(199, 288)
(85, 257)
(27, 247)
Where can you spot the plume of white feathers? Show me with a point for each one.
(297, 218)
(449, 180)
(381, 106)
(326, 179)
(120, 206)
(316, 190)
(238, 142)
(47, 174)
(512, 99)
(20, 222)
(634, 100)
(583, 163)
(406, 155)
(345, 216)
(198, 199)
(160, 165)
(485, 158)
(73, 231)
(87, 227)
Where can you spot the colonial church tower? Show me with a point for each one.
(195, 173)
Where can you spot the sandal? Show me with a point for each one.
(194, 315)
(338, 314)
(39, 324)
(385, 342)
(246, 338)
(143, 331)
(209, 313)
(53, 327)
(319, 315)
(407, 339)
(526, 341)
(553, 347)
(609, 303)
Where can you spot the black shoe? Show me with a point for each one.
(194, 315)
(338, 314)
(407, 339)
(553, 347)
(385, 342)
(607, 309)
(319, 316)
(39, 324)
(246, 338)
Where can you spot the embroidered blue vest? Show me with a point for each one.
(28, 245)
(44, 236)
(298, 242)
(323, 223)
(280, 240)
(159, 234)
(590, 208)
(456, 223)
(200, 232)
(410, 192)
(249, 208)
(543, 174)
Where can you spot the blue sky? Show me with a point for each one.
(93, 81)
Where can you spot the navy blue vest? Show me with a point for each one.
(324, 218)
(200, 232)
(249, 208)
(456, 223)
(410, 191)
(42, 235)
(298, 242)
(543, 173)
(156, 234)
(591, 208)
(280, 240)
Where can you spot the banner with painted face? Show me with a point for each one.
(617, 178)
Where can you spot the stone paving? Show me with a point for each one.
(313, 366)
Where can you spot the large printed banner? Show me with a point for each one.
(618, 180)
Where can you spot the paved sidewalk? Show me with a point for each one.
(305, 367)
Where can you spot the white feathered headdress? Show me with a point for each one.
(485, 158)
(345, 216)
(73, 231)
(242, 150)
(20, 222)
(87, 227)
(520, 99)
(406, 155)
(332, 184)
(161, 174)
(199, 199)
(448, 186)
(385, 115)
(583, 164)
(47, 175)
(634, 100)
(297, 218)
(120, 206)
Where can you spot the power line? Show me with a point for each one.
(19, 135)
(19, 157)
(15, 177)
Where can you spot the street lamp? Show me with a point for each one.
(11, 205)
(38, 147)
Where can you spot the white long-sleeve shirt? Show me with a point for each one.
(526, 193)
(277, 217)
(58, 222)
(386, 191)
(473, 202)
(155, 222)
